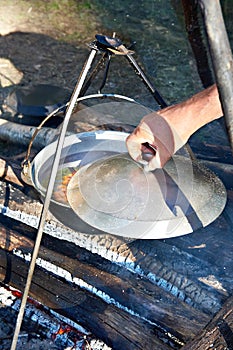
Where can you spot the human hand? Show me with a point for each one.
(159, 135)
(153, 142)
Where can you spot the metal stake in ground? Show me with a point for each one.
(222, 60)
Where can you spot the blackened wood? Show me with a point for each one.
(155, 258)
(213, 245)
(22, 134)
(160, 261)
(10, 173)
(219, 332)
(213, 152)
(184, 266)
(136, 294)
(115, 327)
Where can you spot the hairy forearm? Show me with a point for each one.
(187, 117)
(170, 130)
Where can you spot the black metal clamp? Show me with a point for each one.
(113, 46)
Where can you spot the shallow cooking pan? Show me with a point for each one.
(100, 189)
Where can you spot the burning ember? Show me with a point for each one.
(47, 325)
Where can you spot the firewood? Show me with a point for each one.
(22, 134)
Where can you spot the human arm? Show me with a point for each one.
(168, 129)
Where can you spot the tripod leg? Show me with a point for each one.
(92, 75)
(156, 94)
(48, 196)
(105, 73)
(146, 81)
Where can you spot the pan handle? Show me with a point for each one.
(26, 165)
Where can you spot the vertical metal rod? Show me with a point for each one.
(146, 81)
(221, 56)
(162, 103)
(50, 187)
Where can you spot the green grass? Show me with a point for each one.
(66, 20)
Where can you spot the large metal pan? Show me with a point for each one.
(169, 202)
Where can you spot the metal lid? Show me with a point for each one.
(117, 196)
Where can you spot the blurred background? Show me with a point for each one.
(58, 32)
(46, 42)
